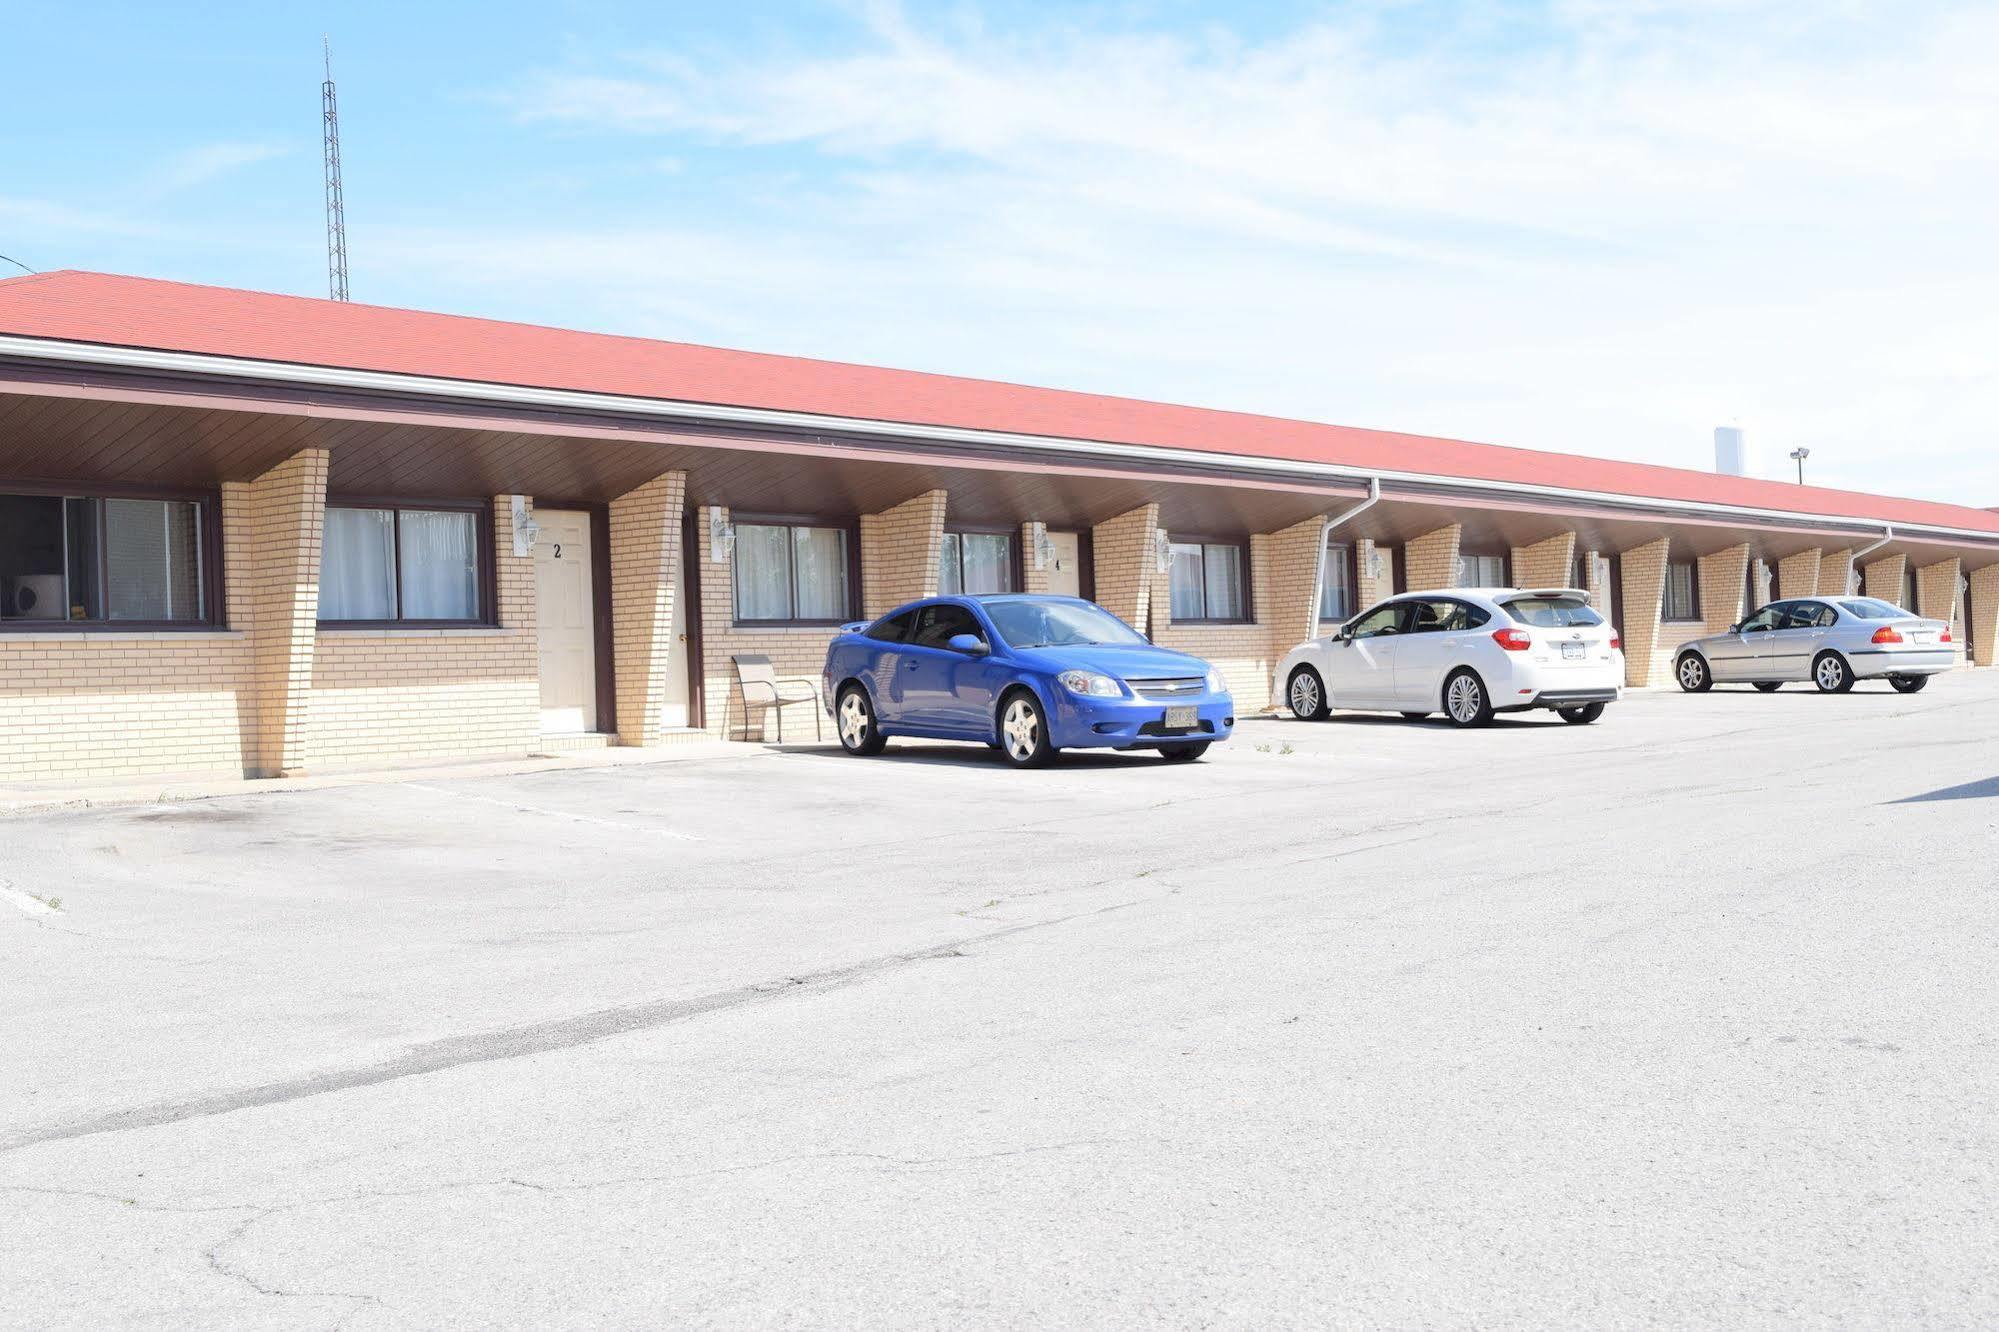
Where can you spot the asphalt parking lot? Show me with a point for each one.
(1687, 1017)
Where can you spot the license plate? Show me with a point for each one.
(1181, 719)
(1925, 638)
(1574, 651)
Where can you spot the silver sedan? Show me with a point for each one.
(1831, 641)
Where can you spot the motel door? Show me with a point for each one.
(566, 622)
(1065, 571)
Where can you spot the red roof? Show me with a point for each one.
(220, 321)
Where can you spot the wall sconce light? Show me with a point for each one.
(1162, 551)
(526, 530)
(1376, 566)
(1044, 549)
(721, 536)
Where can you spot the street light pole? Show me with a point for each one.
(1799, 455)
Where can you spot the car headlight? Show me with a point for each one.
(1090, 685)
(1217, 683)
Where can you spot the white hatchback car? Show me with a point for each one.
(1469, 652)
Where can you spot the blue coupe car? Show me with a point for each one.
(1028, 675)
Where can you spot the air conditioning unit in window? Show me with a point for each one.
(35, 597)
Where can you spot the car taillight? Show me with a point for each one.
(1513, 640)
(1946, 638)
(1886, 634)
(1616, 643)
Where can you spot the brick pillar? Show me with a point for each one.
(1835, 569)
(1545, 563)
(1885, 577)
(1126, 565)
(1798, 575)
(645, 624)
(1936, 589)
(1644, 577)
(1031, 578)
(900, 550)
(1291, 576)
(1724, 579)
(1984, 626)
(1369, 587)
(284, 511)
(1433, 559)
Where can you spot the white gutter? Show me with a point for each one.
(1887, 535)
(139, 358)
(1333, 525)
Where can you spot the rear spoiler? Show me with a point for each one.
(857, 627)
(1579, 593)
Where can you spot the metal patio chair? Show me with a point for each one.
(771, 690)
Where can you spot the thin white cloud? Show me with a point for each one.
(1647, 220)
(208, 162)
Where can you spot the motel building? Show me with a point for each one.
(250, 534)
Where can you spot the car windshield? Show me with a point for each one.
(1551, 612)
(1867, 608)
(1033, 624)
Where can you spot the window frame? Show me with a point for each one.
(482, 527)
(848, 524)
(1016, 570)
(1695, 615)
(208, 511)
(1204, 539)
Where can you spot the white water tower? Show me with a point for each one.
(1732, 454)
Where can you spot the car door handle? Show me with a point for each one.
(909, 665)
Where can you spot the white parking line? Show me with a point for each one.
(519, 808)
(34, 906)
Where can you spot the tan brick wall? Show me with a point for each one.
(645, 561)
(1936, 588)
(1242, 651)
(1433, 559)
(1545, 563)
(1798, 575)
(900, 551)
(1647, 660)
(1126, 564)
(284, 517)
(1885, 578)
(1724, 581)
(404, 695)
(1984, 610)
(1835, 568)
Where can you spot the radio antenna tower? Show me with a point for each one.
(336, 201)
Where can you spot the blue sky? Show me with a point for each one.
(1601, 226)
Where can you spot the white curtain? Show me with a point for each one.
(1335, 594)
(988, 562)
(763, 572)
(440, 554)
(357, 575)
(1224, 577)
(949, 584)
(1185, 581)
(820, 558)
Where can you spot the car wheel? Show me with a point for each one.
(1023, 731)
(1465, 699)
(1183, 753)
(1831, 674)
(1306, 695)
(1693, 674)
(1768, 686)
(1908, 684)
(856, 718)
(1581, 715)
(1414, 716)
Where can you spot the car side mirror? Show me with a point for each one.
(969, 644)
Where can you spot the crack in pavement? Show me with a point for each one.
(517, 1042)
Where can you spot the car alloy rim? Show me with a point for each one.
(1021, 727)
(1304, 695)
(1690, 671)
(1829, 672)
(853, 721)
(1464, 698)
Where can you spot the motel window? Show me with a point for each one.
(792, 573)
(1208, 580)
(1336, 585)
(79, 560)
(1683, 592)
(387, 564)
(1476, 570)
(976, 563)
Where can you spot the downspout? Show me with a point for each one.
(1887, 535)
(1333, 524)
